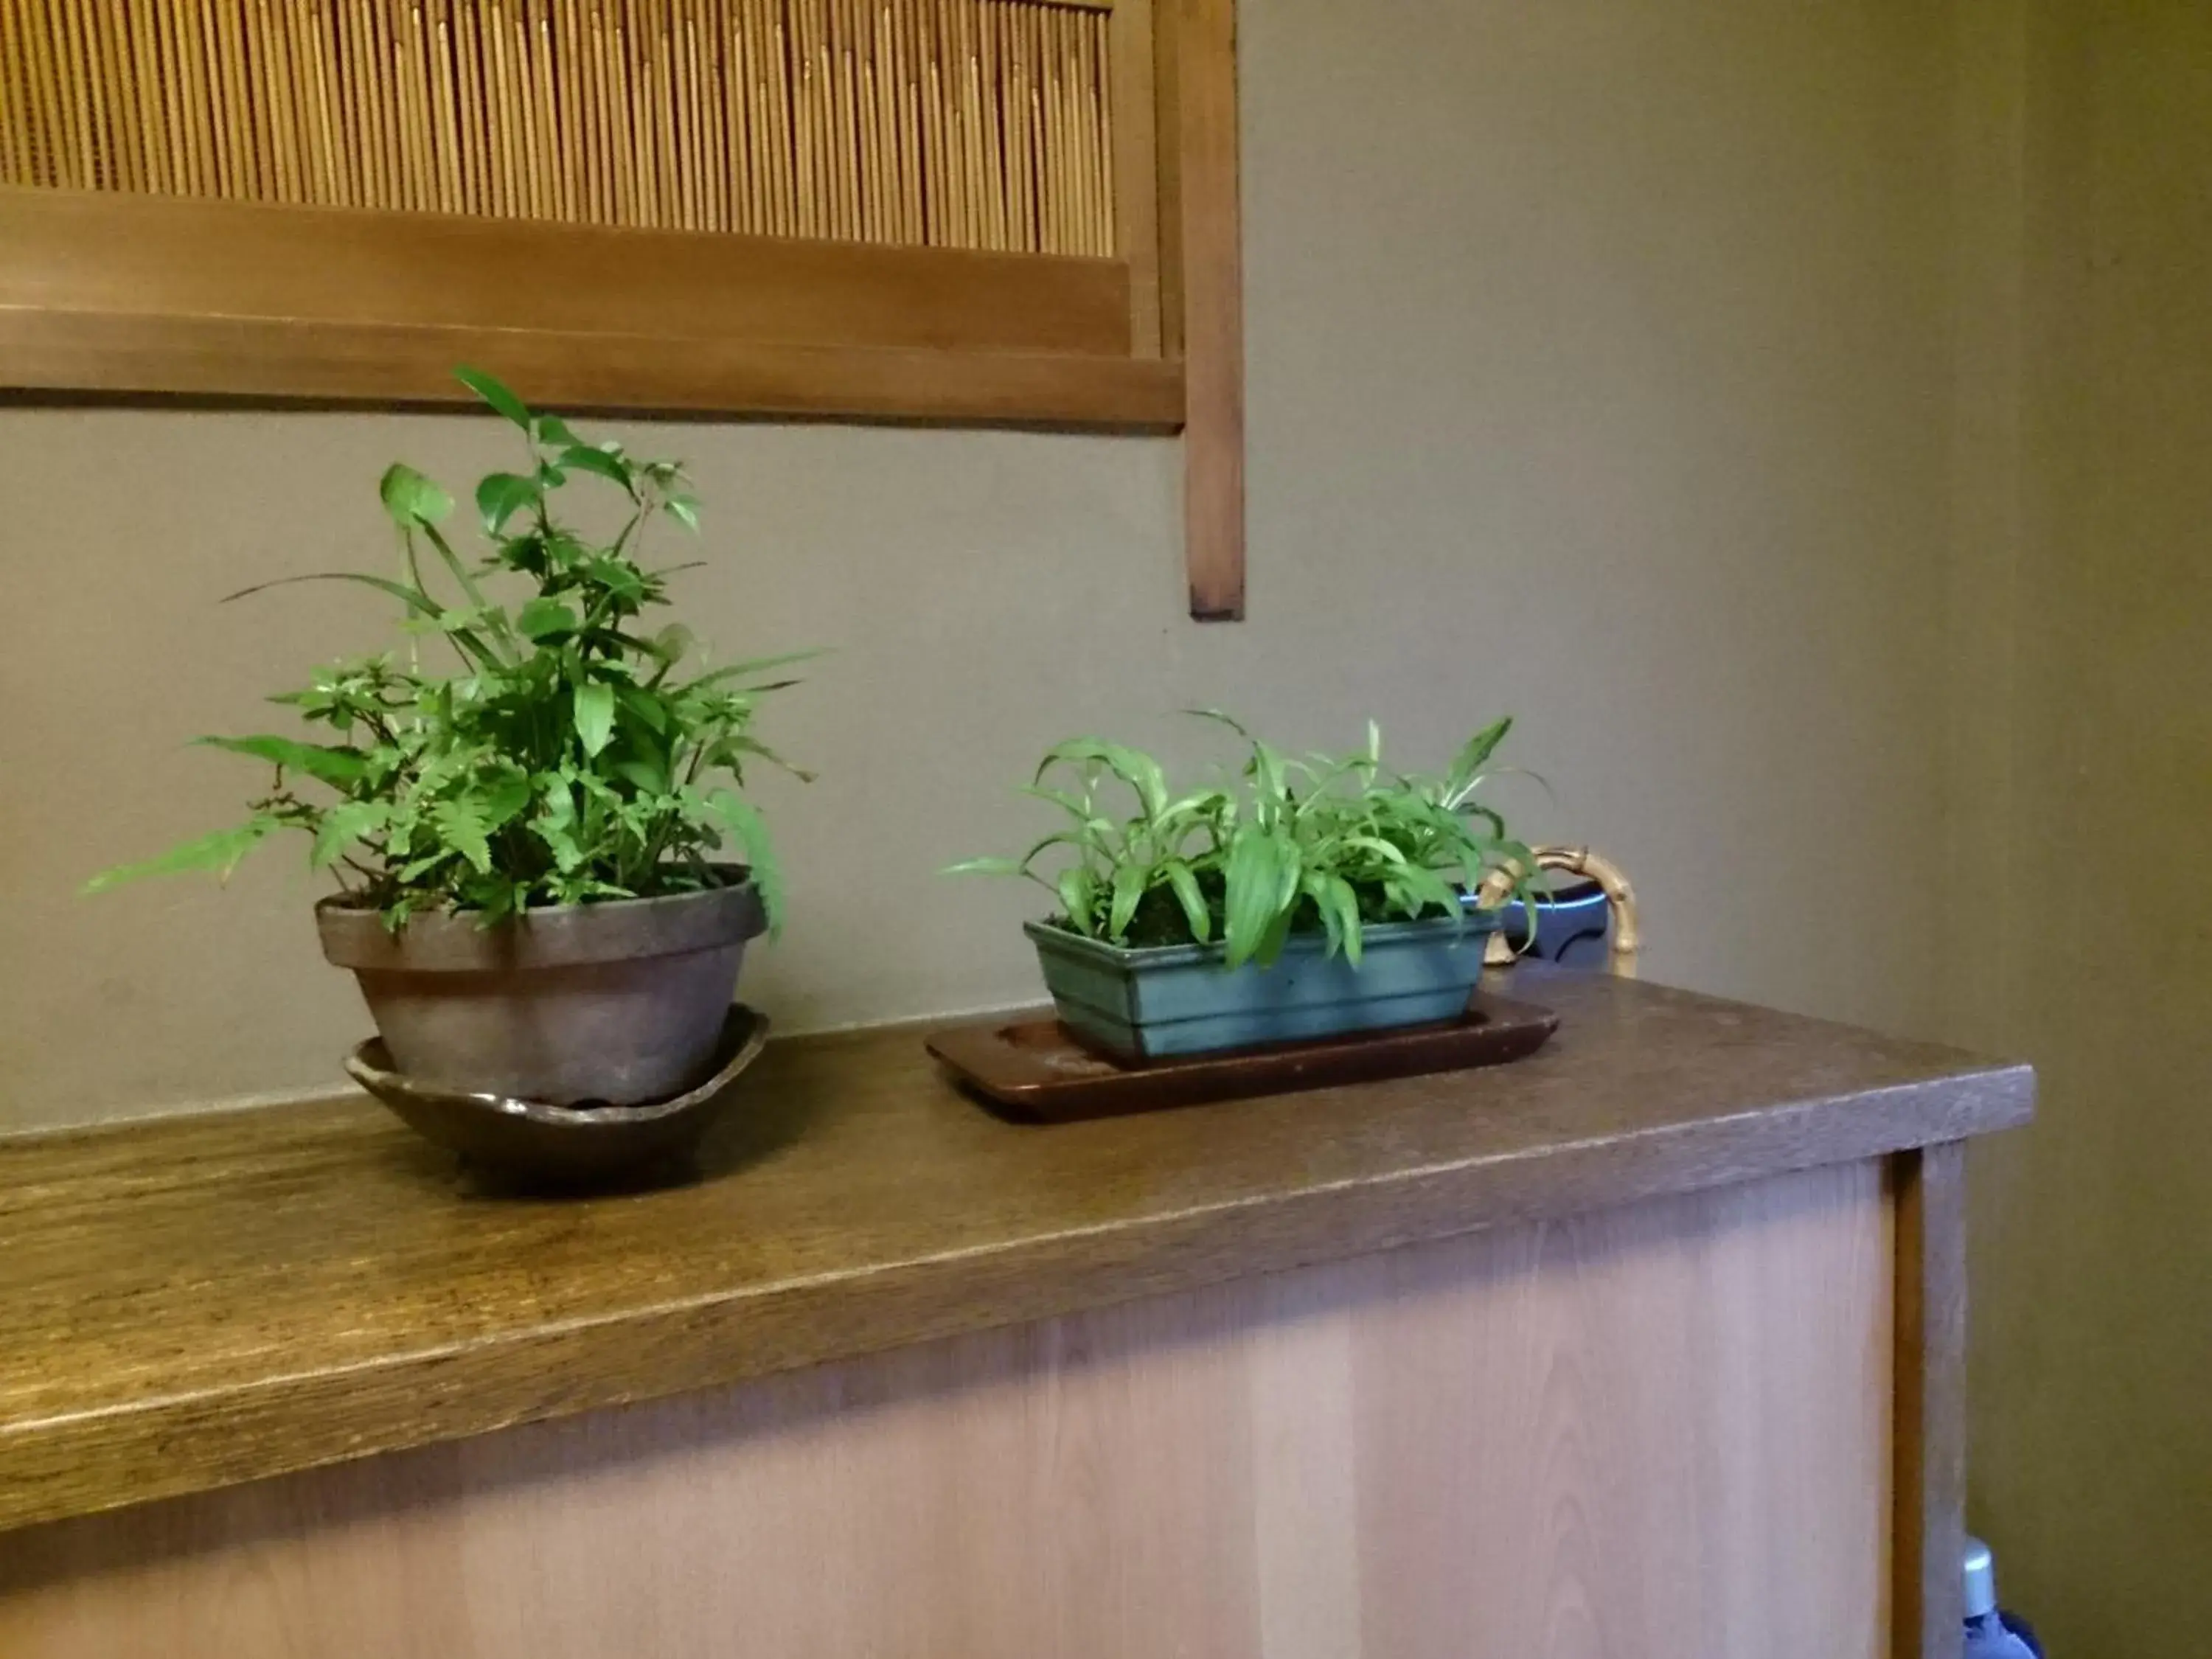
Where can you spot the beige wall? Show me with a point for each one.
(2093, 1455)
(1834, 517)
(1598, 373)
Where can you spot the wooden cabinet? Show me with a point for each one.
(1647, 1347)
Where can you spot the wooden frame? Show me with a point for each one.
(113, 294)
(135, 294)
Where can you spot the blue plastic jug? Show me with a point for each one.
(1990, 1633)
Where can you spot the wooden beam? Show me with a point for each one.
(1929, 1433)
(272, 361)
(84, 250)
(1202, 316)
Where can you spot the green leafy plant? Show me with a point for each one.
(568, 758)
(1320, 843)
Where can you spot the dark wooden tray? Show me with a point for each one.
(1032, 1068)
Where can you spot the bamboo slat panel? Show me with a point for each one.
(978, 123)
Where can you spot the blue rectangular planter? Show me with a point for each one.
(1179, 1000)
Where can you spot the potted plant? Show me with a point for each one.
(1310, 898)
(527, 837)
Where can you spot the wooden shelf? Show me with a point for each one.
(195, 1302)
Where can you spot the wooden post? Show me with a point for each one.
(1929, 1435)
(1202, 306)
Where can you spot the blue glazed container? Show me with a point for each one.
(1166, 1001)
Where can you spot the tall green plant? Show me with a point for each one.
(1326, 843)
(568, 758)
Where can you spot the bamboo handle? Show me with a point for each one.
(1620, 898)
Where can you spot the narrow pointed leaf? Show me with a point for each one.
(220, 852)
(1130, 881)
(1184, 880)
(495, 394)
(1078, 896)
(989, 866)
(337, 766)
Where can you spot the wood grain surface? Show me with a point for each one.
(1930, 1480)
(159, 256)
(1659, 1432)
(193, 1303)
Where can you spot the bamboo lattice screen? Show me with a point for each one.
(995, 212)
(976, 123)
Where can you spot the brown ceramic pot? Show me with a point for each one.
(621, 1002)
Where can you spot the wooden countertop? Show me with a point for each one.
(192, 1303)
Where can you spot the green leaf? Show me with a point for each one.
(344, 824)
(503, 495)
(412, 499)
(1184, 880)
(1479, 749)
(1272, 942)
(737, 670)
(1130, 881)
(553, 432)
(1316, 887)
(1078, 895)
(647, 708)
(556, 824)
(1382, 849)
(1133, 766)
(984, 867)
(684, 510)
(462, 825)
(1337, 898)
(745, 823)
(484, 610)
(335, 766)
(595, 715)
(670, 643)
(220, 852)
(414, 597)
(1427, 890)
(501, 800)
(495, 394)
(582, 458)
(1253, 878)
(543, 619)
